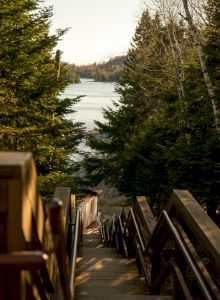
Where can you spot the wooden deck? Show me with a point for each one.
(103, 274)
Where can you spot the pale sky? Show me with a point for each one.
(100, 29)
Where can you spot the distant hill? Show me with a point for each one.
(106, 71)
(118, 60)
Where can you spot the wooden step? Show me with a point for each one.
(117, 265)
(91, 236)
(88, 252)
(102, 274)
(122, 297)
(103, 260)
(91, 240)
(107, 275)
(109, 287)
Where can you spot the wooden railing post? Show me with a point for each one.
(34, 254)
(21, 218)
(56, 217)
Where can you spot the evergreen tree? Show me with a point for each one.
(211, 88)
(124, 133)
(156, 139)
(212, 43)
(32, 116)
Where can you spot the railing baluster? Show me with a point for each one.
(187, 257)
(74, 254)
(137, 230)
(58, 232)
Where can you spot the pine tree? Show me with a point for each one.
(211, 87)
(32, 116)
(212, 42)
(124, 133)
(156, 139)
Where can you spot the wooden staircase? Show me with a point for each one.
(104, 274)
(178, 254)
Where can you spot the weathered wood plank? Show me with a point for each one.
(56, 216)
(109, 286)
(15, 164)
(145, 214)
(63, 194)
(3, 215)
(199, 223)
(181, 282)
(122, 297)
(22, 218)
(198, 260)
(111, 275)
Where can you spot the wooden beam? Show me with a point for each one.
(181, 281)
(63, 194)
(56, 214)
(145, 214)
(199, 223)
(198, 260)
(15, 164)
(21, 219)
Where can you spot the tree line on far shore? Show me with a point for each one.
(106, 71)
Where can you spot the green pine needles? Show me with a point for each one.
(32, 116)
(162, 135)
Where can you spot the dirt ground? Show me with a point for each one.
(109, 201)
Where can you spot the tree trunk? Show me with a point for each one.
(208, 81)
(178, 64)
(58, 62)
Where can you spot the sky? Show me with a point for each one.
(99, 29)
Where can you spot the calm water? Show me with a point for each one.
(97, 95)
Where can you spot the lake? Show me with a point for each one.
(97, 95)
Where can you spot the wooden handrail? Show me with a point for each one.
(120, 224)
(23, 228)
(145, 213)
(107, 233)
(196, 258)
(24, 260)
(122, 233)
(198, 222)
(28, 260)
(64, 194)
(100, 227)
(187, 256)
(75, 244)
(180, 279)
(46, 265)
(171, 237)
(137, 230)
(184, 210)
(58, 232)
